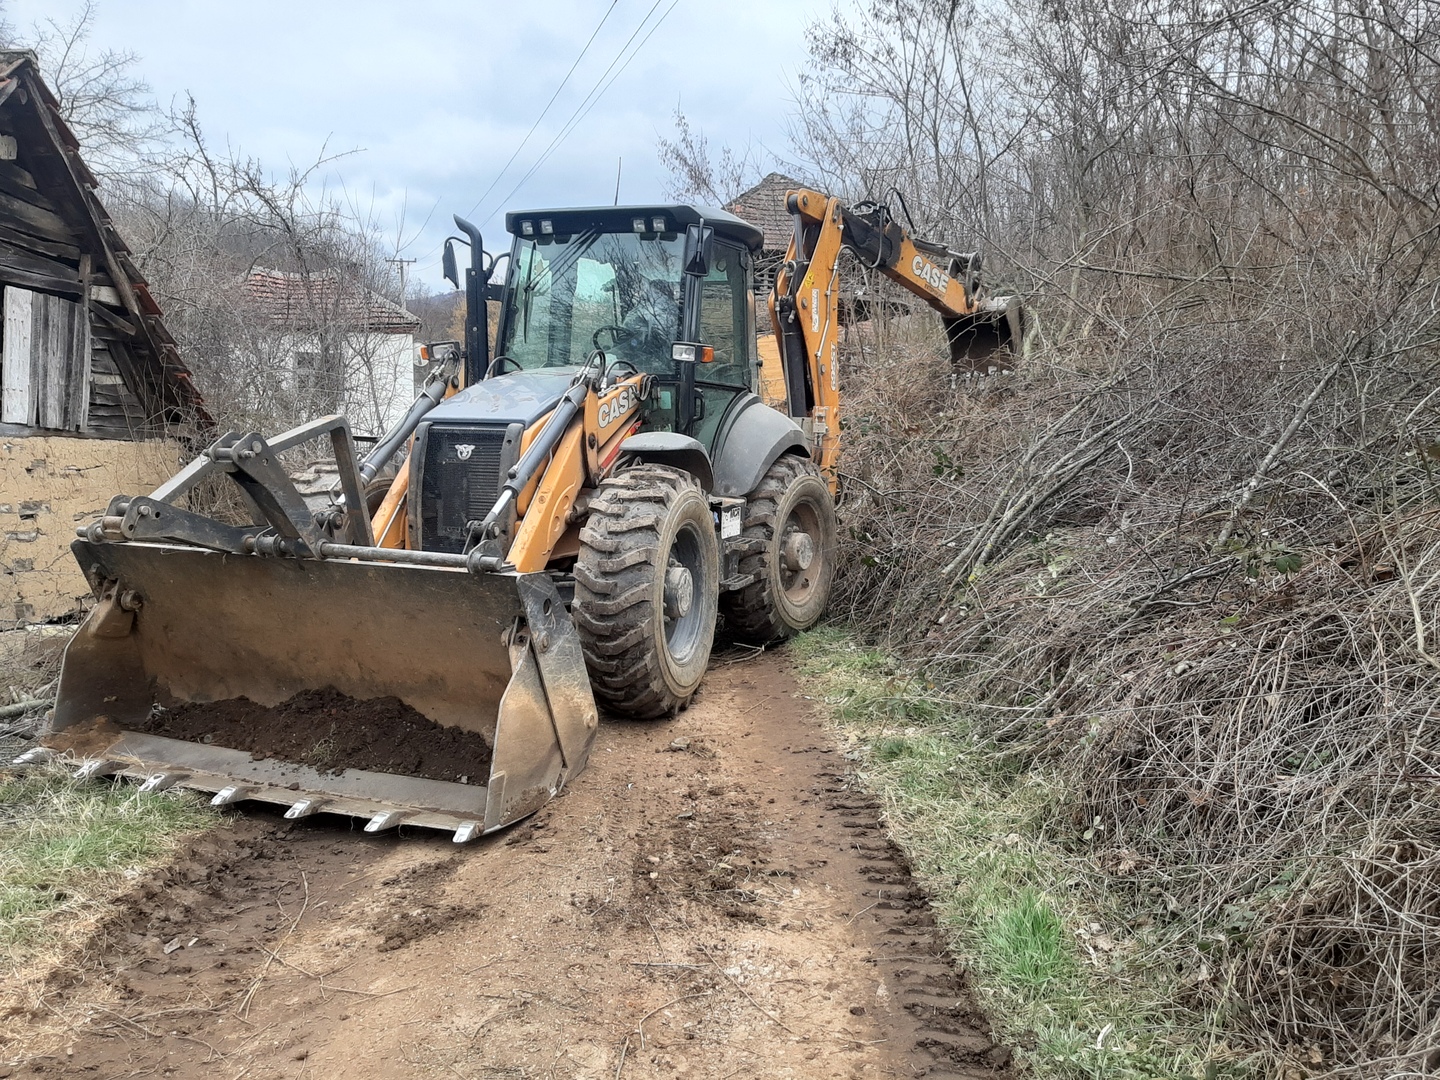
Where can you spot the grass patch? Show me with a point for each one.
(1026, 940)
(1068, 974)
(66, 849)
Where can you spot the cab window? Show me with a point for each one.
(727, 326)
(724, 317)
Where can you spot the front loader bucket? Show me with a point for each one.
(492, 654)
(991, 340)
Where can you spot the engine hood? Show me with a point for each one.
(517, 397)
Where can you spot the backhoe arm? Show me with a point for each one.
(804, 305)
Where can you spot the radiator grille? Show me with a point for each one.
(461, 483)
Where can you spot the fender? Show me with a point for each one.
(674, 449)
(752, 441)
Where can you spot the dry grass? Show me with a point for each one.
(67, 850)
(1198, 591)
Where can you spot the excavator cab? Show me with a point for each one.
(640, 285)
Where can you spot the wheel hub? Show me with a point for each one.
(679, 592)
(798, 552)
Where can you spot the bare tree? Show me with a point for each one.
(1186, 561)
(270, 285)
(102, 98)
(698, 174)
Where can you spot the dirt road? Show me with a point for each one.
(712, 898)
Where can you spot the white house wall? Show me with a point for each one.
(378, 381)
(381, 386)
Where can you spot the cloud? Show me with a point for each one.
(436, 96)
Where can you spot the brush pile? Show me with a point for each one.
(1188, 560)
(1202, 587)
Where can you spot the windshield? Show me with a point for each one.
(620, 291)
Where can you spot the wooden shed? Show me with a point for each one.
(93, 394)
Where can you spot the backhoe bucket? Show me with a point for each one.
(493, 654)
(990, 341)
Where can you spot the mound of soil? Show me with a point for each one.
(326, 729)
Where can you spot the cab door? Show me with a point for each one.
(727, 324)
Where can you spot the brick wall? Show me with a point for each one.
(48, 486)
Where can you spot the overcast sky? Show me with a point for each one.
(435, 97)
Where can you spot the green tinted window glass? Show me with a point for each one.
(724, 317)
(618, 290)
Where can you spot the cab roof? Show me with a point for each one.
(569, 220)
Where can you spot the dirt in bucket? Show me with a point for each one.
(331, 731)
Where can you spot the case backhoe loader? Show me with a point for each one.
(578, 506)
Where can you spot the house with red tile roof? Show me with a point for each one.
(342, 346)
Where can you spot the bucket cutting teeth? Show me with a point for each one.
(161, 780)
(304, 808)
(232, 794)
(95, 768)
(36, 755)
(385, 819)
(467, 832)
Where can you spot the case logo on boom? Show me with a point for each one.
(617, 406)
(931, 274)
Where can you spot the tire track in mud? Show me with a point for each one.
(714, 897)
(932, 988)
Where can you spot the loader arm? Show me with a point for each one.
(805, 305)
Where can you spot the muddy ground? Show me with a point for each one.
(713, 898)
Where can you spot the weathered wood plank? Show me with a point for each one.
(121, 425)
(17, 174)
(127, 365)
(101, 362)
(42, 282)
(11, 184)
(14, 258)
(111, 323)
(16, 402)
(114, 410)
(77, 405)
(26, 431)
(43, 223)
(52, 347)
(59, 363)
(68, 252)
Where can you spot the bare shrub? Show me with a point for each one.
(1188, 559)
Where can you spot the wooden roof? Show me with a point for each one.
(56, 238)
(764, 206)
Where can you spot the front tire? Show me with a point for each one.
(791, 515)
(647, 590)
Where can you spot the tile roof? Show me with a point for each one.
(312, 300)
(764, 206)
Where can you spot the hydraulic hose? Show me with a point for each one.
(537, 454)
(430, 396)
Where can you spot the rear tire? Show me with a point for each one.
(376, 490)
(647, 590)
(792, 514)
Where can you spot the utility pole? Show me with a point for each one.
(402, 264)
(618, 162)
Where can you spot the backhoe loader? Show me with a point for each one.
(580, 503)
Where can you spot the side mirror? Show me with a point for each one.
(447, 264)
(699, 245)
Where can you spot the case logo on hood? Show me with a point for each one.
(464, 450)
